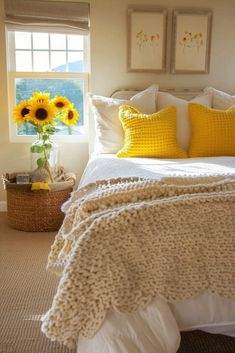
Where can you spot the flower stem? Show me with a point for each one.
(47, 167)
(46, 163)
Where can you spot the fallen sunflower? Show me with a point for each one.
(41, 113)
(60, 103)
(20, 112)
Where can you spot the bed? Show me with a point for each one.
(117, 321)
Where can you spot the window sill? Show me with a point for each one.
(63, 139)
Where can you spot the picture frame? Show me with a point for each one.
(191, 41)
(146, 39)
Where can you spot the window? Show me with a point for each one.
(48, 62)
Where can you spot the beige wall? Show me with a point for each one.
(108, 69)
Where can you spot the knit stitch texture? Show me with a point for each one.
(126, 241)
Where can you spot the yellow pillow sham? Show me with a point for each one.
(151, 135)
(212, 131)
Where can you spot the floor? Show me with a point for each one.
(26, 290)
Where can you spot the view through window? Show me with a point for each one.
(48, 62)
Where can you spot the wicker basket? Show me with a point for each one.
(36, 211)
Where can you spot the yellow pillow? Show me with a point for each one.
(151, 135)
(212, 131)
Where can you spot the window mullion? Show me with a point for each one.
(85, 53)
(50, 52)
(67, 54)
(32, 57)
(12, 51)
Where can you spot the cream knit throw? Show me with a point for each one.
(126, 241)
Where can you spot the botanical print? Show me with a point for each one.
(147, 36)
(144, 39)
(192, 40)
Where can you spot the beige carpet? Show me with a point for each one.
(26, 290)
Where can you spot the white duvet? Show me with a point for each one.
(156, 329)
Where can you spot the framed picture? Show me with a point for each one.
(191, 41)
(146, 39)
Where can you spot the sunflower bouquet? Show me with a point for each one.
(45, 114)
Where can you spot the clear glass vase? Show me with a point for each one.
(44, 154)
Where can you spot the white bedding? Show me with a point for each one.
(156, 328)
(107, 166)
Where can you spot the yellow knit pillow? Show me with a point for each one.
(212, 131)
(151, 135)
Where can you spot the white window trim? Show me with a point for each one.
(56, 75)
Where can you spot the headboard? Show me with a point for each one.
(182, 93)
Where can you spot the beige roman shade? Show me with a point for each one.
(47, 16)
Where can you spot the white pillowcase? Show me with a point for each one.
(220, 99)
(109, 131)
(183, 124)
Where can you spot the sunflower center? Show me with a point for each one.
(70, 115)
(41, 114)
(24, 111)
(59, 104)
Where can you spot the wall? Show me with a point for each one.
(108, 69)
(108, 44)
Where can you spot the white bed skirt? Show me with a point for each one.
(151, 330)
(156, 329)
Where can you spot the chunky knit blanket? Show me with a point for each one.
(125, 241)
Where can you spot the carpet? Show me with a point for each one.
(203, 342)
(27, 289)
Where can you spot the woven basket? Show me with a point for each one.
(36, 211)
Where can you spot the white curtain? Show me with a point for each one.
(47, 16)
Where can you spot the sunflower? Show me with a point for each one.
(20, 112)
(41, 113)
(60, 102)
(71, 116)
(40, 97)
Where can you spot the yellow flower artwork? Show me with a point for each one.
(192, 40)
(144, 39)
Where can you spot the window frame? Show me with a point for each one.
(12, 75)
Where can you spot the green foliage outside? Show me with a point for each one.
(72, 89)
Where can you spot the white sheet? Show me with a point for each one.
(156, 328)
(109, 166)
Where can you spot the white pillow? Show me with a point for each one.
(220, 99)
(109, 131)
(183, 124)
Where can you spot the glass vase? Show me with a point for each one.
(44, 154)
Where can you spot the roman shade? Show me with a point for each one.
(47, 16)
